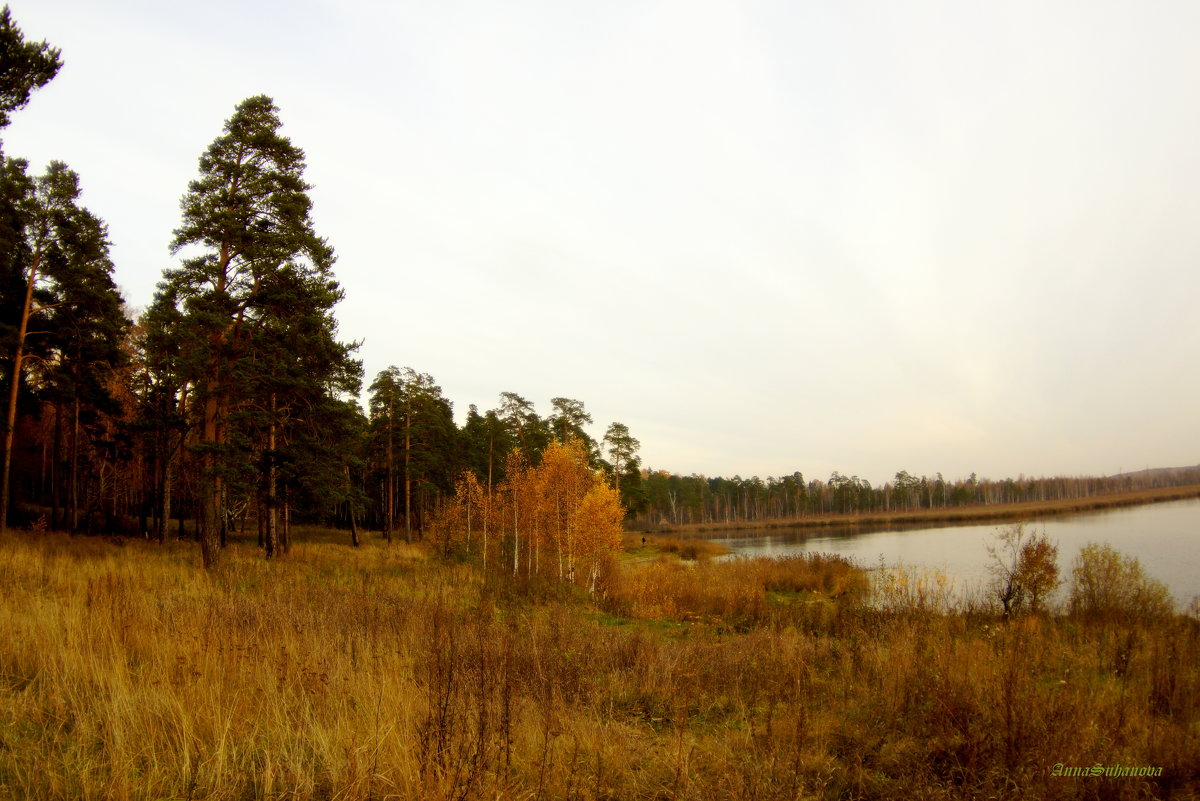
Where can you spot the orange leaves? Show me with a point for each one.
(557, 517)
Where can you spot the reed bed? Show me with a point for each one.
(373, 673)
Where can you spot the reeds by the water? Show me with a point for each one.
(126, 672)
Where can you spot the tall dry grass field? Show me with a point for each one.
(127, 672)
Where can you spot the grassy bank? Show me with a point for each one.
(127, 673)
(643, 547)
(981, 513)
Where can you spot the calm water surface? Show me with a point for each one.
(1165, 537)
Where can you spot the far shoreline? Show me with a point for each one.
(977, 513)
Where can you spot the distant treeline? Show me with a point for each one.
(694, 499)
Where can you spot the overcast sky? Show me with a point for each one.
(767, 236)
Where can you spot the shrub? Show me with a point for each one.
(1106, 583)
(1024, 569)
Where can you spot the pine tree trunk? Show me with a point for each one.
(18, 355)
(168, 478)
(407, 479)
(74, 477)
(261, 520)
(224, 501)
(41, 493)
(55, 469)
(389, 515)
(286, 539)
(272, 540)
(350, 508)
(208, 523)
(144, 502)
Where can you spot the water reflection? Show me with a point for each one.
(1165, 537)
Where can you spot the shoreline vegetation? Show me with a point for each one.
(979, 513)
(394, 671)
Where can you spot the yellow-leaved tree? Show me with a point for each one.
(558, 518)
(597, 519)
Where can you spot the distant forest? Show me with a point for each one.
(230, 402)
(681, 500)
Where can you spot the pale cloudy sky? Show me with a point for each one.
(767, 236)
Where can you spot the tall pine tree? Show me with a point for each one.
(256, 293)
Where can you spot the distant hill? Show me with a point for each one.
(1164, 475)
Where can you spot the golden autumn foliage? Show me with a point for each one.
(558, 519)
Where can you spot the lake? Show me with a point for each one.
(1165, 537)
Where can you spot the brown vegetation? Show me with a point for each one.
(737, 593)
(384, 673)
(640, 546)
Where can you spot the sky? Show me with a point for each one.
(766, 236)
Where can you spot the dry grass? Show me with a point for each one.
(649, 545)
(738, 592)
(340, 673)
